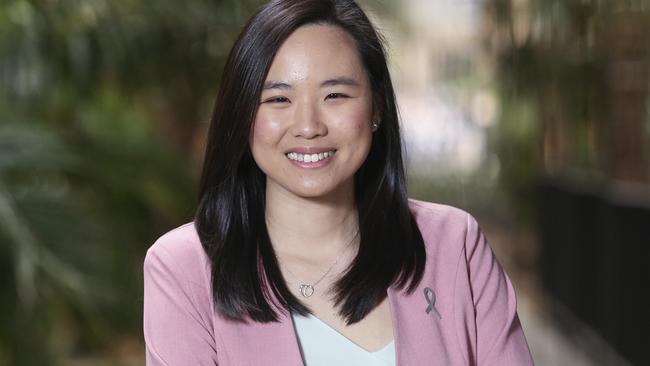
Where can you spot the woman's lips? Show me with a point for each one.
(311, 160)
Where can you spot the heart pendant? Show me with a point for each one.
(306, 290)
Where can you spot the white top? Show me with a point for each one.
(322, 345)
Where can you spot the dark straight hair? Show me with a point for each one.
(230, 218)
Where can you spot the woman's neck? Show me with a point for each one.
(318, 227)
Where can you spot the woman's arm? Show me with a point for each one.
(500, 340)
(177, 330)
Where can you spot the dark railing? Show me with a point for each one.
(595, 256)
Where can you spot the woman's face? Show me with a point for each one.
(312, 131)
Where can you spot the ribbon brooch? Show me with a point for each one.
(430, 297)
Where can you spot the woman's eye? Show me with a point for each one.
(277, 100)
(335, 96)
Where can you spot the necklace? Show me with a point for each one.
(306, 290)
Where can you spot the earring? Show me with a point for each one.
(375, 126)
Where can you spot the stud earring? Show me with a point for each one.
(375, 126)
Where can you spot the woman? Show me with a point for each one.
(305, 248)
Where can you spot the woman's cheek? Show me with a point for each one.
(356, 122)
(267, 129)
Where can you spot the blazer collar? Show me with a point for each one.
(418, 339)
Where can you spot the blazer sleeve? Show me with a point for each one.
(500, 340)
(176, 331)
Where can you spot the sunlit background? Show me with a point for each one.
(531, 114)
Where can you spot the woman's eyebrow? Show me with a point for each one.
(272, 84)
(342, 80)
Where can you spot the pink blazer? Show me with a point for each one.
(471, 318)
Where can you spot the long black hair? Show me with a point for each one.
(230, 218)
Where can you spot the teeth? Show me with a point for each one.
(310, 158)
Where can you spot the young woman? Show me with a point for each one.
(305, 248)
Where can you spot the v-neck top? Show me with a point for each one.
(322, 345)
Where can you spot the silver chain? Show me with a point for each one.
(306, 290)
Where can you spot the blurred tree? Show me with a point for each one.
(582, 65)
(100, 106)
(582, 70)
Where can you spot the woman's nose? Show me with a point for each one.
(308, 122)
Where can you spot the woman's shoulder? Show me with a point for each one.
(443, 227)
(179, 250)
(431, 213)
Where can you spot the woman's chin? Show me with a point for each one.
(313, 192)
(316, 190)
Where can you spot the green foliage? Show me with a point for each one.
(552, 71)
(99, 104)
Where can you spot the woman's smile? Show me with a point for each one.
(311, 158)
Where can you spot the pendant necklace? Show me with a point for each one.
(306, 290)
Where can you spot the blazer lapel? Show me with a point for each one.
(417, 333)
(252, 343)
